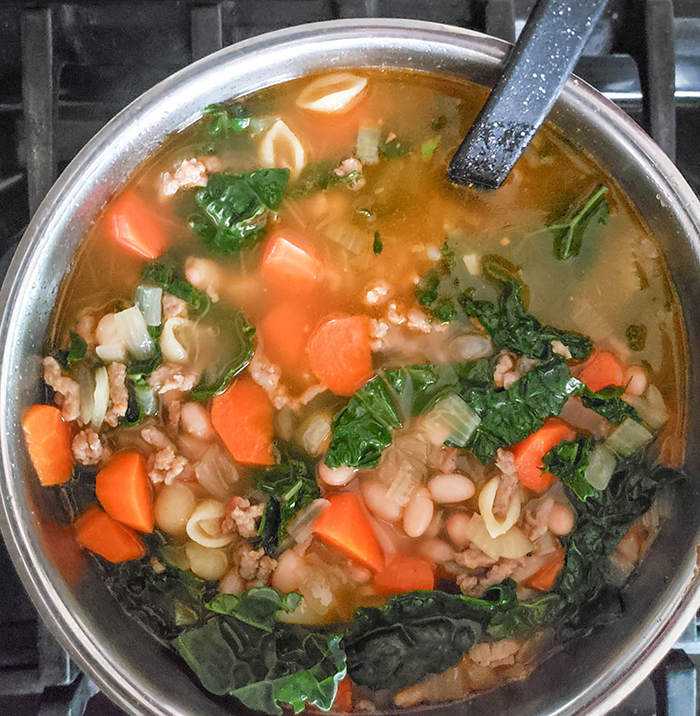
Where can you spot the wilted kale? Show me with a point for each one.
(319, 176)
(227, 119)
(394, 148)
(584, 224)
(77, 349)
(257, 607)
(377, 245)
(171, 281)
(233, 208)
(431, 291)
(608, 402)
(568, 461)
(291, 485)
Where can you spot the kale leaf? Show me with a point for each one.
(319, 176)
(171, 281)
(227, 119)
(77, 350)
(586, 221)
(394, 148)
(257, 607)
(608, 402)
(233, 208)
(291, 485)
(512, 326)
(431, 291)
(568, 461)
(377, 245)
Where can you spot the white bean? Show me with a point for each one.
(381, 506)
(636, 379)
(290, 572)
(232, 584)
(106, 331)
(195, 421)
(561, 520)
(418, 513)
(174, 506)
(204, 275)
(436, 550)
(458, 528)
(206, 562)
(451, 487)
(336, 476)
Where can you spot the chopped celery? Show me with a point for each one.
(450, 420)
(628, 437)
(601, 466)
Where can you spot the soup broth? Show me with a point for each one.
(366, 438)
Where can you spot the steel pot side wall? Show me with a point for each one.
(144, 678)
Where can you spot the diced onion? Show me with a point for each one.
(367, 149)
(301, 526)
(281, 148)
(149, 299)
(486, 499)
(403, 467)
(651, 407)
(450, 419)
(511, 545)
(470, 346)
(472, 263)
(347, 235)
(133, 331)
(331, 93)
(601, 466)
(112, 352)
(204, 525)
(86, 381)
(216, 473)
(628, 437)
(100, 397)
(316, 433)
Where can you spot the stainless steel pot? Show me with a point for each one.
(589, 676)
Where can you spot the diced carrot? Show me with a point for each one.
(130, 223)
(343, 698)
(345, 526)
(547, 574)
(49, 443)
(242, 416)
(99, 533)
(603, 368)
(285, 333)
(405, 574)
(124, 491)
(340, 354)
(528, 454)
(289, 264)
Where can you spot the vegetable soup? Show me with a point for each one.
(341, 433)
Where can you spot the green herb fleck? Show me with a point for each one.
(569, 235)
(377, 245)
(394, 148)
(636, 335)
(227, 119)
(427, 149)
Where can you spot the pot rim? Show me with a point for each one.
(60, 204)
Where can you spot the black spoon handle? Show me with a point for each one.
(535, 73)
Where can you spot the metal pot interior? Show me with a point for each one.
(590, 675)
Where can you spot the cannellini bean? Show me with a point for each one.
(106, 331)
(636, 379)
(458, 529)
(418, 513)
(232, 584)
(561, 519)
(436, 550)
(377, 502)
(290, 572)
(195, 421)
(281, 148)
(204, 275)
(206, 562)
(204, 525)
(173, 507)
(451, 487)
(336, 476)
(435, 525)
(470, 347)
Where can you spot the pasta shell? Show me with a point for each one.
(486, 499)
(204, 525)
(331, 93)
(281, 148)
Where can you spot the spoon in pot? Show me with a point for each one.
(535, 74)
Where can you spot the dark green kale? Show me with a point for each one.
(512, 326)
(636, 335)
(257, 607)
(77, 350)
(377, 245)
(171, 281)
(394, 148)
(568, 461)
(433, 290)
(227, 119)
(291, 486)
(233, 208)
(142, 400)
(319, 176)
(584, 224)
(608, 402)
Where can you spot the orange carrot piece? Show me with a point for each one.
(603, 368)
(343, 697)
(545, 577)
(124, 491)
(130, 223)
(340, 354)
(405, 574)
(49, 443)
(99, 533)
(242, 416)
(345, 526)
(528, 454)
(285, 333)
(289, 264)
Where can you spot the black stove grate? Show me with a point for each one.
(66, 69)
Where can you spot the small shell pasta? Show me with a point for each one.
(204, 525)
(281, 148)
(177, 339)
(331, 93)
(206, 562)
(174, 506)
(486, 499)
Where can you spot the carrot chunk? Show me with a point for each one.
(340, 354)
(345, 526)
(288, 264)
(242, 416)
(343, 697)
(99, 533)
(285, 333)
(124, 490)
(528, 454)
(405, 574)
(547, 574)
(603, 368)
(49, 443)
(132, 225)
